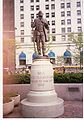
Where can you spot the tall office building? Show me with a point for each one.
(64, 17)
(8, 35)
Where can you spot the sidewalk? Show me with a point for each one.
(72, 109)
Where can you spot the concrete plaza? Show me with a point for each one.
(72, 109)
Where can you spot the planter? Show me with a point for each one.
(16, 99)
(8, 107)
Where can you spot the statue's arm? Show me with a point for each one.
(46, 24)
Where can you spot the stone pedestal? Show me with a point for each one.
(42, 100)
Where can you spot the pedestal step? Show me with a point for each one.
(42, 97)
(42, 110)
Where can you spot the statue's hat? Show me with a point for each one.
(40, 13)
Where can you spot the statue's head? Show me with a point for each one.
(40, 14)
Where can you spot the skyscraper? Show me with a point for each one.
(64, 16)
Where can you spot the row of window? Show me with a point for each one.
(62, 14)
(47, 8)
(62, 22)
(63, 30)
(47, 15)
(38, 7)
(68, 5)
(22, 1)
(39, 0)
(69, 21)
(69, 13)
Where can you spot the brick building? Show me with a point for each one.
(8, 35)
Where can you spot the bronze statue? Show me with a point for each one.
(40, 35)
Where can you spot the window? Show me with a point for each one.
(78, 4)
(52, 6)
(22, 40)
(53, 30)
(53, 14)
(63, 30)
(47, 15)
(67, 61)
(32, 16)
(68, 5)
(78, 12)
(62, 22)
(21, 8)
(69, 29)
(21, 24)
(79, 20)
(31, 0)
(53, 22)
(22, 62)
(37, 0)
(62, 5)
(79, 29)
(22, 32)
(36, 15)
(48, 23)
(47, 7)
(21, 1)
(68, 13)
(53, 38)
(62, 14)
(32, 7)
(68, 21)
(37, 7)
(63, 37)
(21, 16)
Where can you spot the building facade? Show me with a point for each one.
(64, 17)
(8, 35)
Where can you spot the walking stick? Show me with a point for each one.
(34, 40)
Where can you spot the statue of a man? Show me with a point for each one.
(40, 35)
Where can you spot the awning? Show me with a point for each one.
(67, 54)
(34, 55)
(22, 56)
(51, 54)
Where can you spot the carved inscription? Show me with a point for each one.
(41, 76)
(41, 79)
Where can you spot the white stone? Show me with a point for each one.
(16, 99)
(42, 110)
(42, 100)
(8, 107)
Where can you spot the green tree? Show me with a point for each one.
(77, 40)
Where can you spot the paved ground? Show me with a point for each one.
(72, 109)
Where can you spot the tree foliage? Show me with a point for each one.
(77, 40)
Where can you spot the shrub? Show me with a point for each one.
(58, 78)
(68, 78)
(22, 78)
(6, 99)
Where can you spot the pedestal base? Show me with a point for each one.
(42, 100)
(42, 110)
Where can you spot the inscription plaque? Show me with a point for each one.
(41, 80)
(73, 89)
